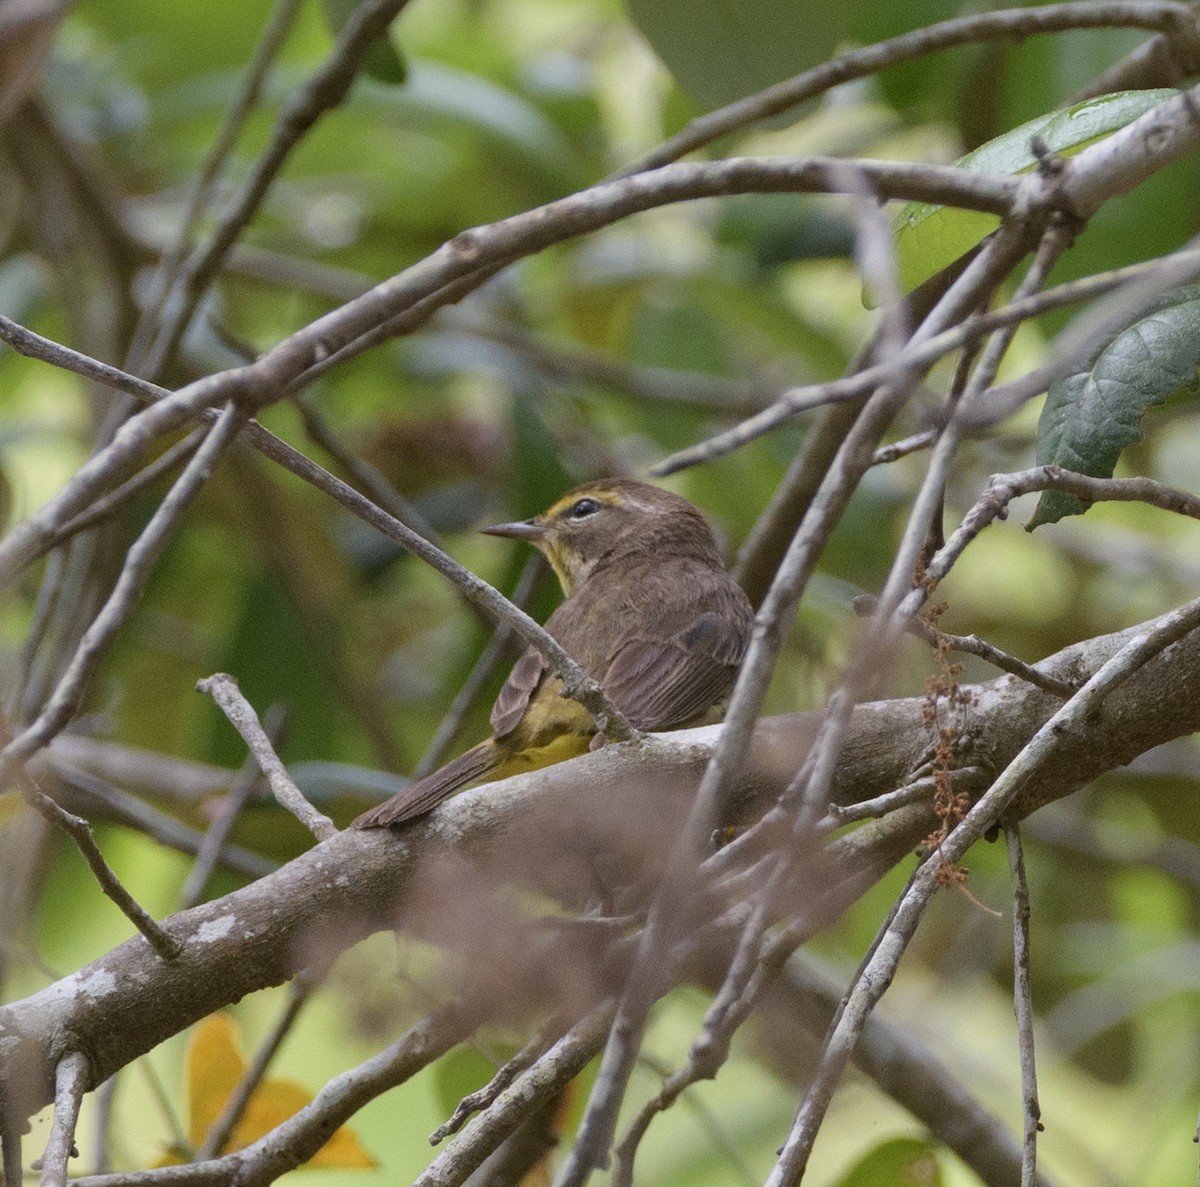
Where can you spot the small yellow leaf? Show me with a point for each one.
(215, 1065)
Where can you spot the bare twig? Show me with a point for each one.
(80, 832)
(111, 803)
(299, 993)
(367, 476)
(1023, 1004)
(224, 690)
(1003, 488)
(961, 779)
(103, 508)
(70, 1083)
(886, 454)
(213, 845)
(974, 645)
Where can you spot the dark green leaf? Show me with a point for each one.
(1091, 415)
(929, 236)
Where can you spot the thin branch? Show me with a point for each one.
(104, 1096)
(859, 63)
(213, 845)
(1023, 1004)
(887, 454)
(111, 803)
(224, 690)
(80, 832)
(367, 476)
(126, 594)
(112, 502)
(973, 645)
(70, 1083)
(1003, 488)
(961, 779)
(299, 993)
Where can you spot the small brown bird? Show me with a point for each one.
(650, 613)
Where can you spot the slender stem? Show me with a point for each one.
(211, 848)
(80, 832)
(224, 690)
(1023, 1003)
(477, 678)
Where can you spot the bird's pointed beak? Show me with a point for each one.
(528, 529)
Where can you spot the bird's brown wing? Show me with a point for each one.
(518, 690)
(660, 681)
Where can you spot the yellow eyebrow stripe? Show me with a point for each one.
(609, 498)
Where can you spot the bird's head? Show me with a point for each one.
(601, 521)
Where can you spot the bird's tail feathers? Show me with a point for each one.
(425, 794)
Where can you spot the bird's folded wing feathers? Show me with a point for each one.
(659, 683)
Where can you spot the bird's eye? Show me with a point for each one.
(582, 508)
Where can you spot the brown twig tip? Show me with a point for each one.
(224, 691)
